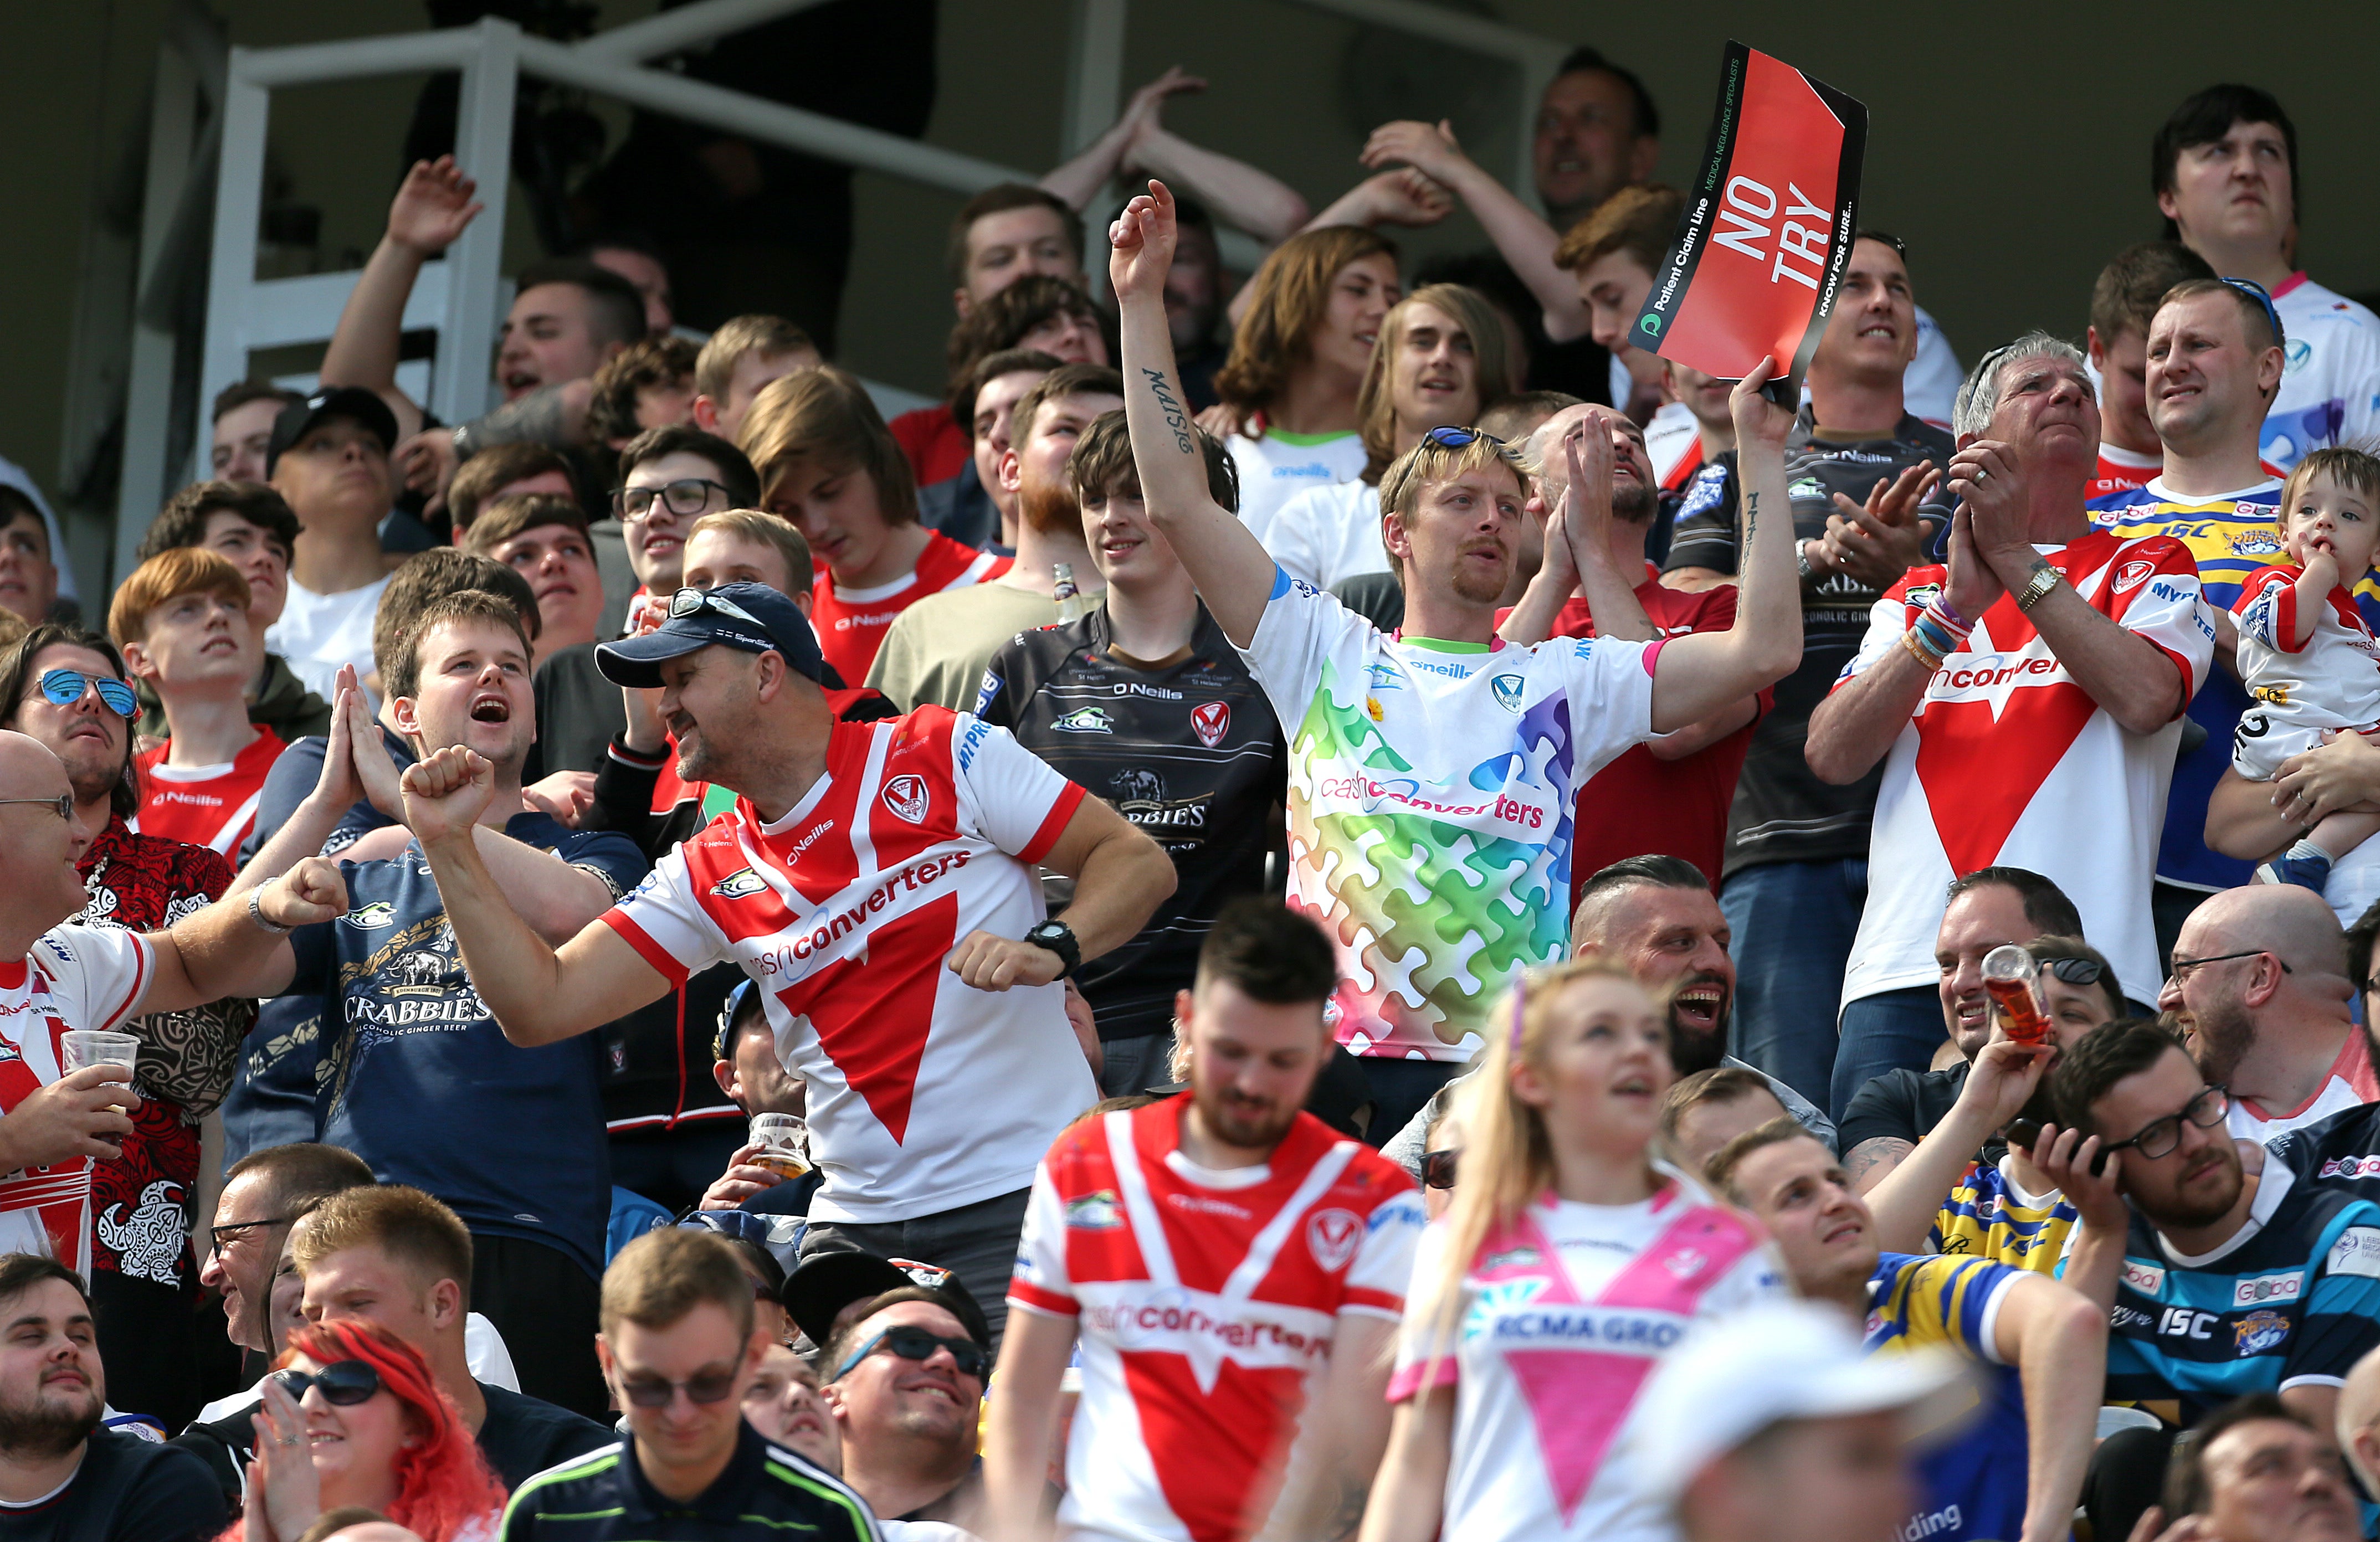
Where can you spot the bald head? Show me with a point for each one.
(2294, 923)
(2359, 1418)
(28, 769)
(372, 1531)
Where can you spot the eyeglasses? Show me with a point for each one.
(2264, 298)
(688, 495)
(2159, 1136)
(915, 1344)
(1438, 1168)
(224, 1236)
(651, 1392)
(694, 602)
(63, 803)
(344, 1383)
(2182, 967)
(66, 686)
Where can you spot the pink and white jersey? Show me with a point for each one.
(2008, 761)
(1206, 1300)
(76, 977)
(1565, 1315)
(2351, 1084)
(925, 1093)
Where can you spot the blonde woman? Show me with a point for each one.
(1571, 1261)
(1443, 357)
(1289, 389)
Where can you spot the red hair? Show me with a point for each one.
(444, 1484)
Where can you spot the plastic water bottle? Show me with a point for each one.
(1073, 605)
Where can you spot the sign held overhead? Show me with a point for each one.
(1767, 230)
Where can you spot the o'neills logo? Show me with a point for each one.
(854, 916)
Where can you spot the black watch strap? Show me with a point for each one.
(1059, 938)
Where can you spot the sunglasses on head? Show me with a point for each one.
(2075, 971)
(694, 602)
(2264, 298)
(63, 687)
(1447, 437)
(916, 1343)
(1438, 1168)
(344, 1383)
(651, 1392)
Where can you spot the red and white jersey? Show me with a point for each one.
(1674, 443)
(1207, 1303)
(851, 623)
(925, 1093)
(2008, 761)
(207, 806)
(2331, 680)
(1564, 1317)
(77, 976)
(2351, 1084)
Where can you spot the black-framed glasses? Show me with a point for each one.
(2264, 298)
(1438, 1168)
(63, 803)
(684, 497)
(2159, 1136)
(2182, 967)
(344, 1383)
(63, 687)
(694, 602)
(224, 1236)
(916, 1343)
(651, 1392)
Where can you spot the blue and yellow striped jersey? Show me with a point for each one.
(2294, 1298)
(1974, 1487)
(1988, 1217)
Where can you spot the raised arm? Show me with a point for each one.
(1696, 675)
(2132, 679)
(537, 994)
(222, 951)
(1522, 237)
(1022, 1422)
(1121, 877)
(431, 206)
(1909, 1199)
(2057, 1340)
(1577, 548)
(1225, 560)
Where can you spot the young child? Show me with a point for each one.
(2305, 652)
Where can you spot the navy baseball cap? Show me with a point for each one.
(300, 419)
(753, 617)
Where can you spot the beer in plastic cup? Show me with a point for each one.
(785, 1144)
(91, 1047)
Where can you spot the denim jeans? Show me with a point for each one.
(1887, 1031)
(1794, 924)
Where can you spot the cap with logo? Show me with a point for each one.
(752, 617)
(352, 402)
(815, 1294)
(1785, 1360)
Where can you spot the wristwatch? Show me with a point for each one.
(256, 913)
(1059, 938)
(2045, 579)
(1803, 565)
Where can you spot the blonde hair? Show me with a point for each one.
(1401, 483)
(1375, 410)
(1508, 1154)
(1290, 294)
(773, 530)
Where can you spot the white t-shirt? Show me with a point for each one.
(2330, 383)
(1431, 787)
(2008, 762)
(317, 633)
(2333, 681)
(1328, 533)
(2351, 1084)
(1279, 467)
(1207, 1303)
(76, 977)
(1565, 1316)
(925, 1093)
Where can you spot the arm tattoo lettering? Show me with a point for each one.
(1176, 418)
(1751, 516)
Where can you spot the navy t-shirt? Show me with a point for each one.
(423, 1085)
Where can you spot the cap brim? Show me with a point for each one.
(636, 661)
(827, 1283)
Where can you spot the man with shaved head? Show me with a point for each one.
(2260, 986)
(2357, 1420)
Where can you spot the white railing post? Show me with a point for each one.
(239, 197)
(149, 382)
(1537, 73)
(1094, 97)
(483, 139)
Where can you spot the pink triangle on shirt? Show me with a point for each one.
(1577, 1401)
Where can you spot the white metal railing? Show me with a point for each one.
(457, 296)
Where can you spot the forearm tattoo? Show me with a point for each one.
(1176, 418)
(1751, 516)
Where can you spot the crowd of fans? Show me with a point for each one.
(1287, 917)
